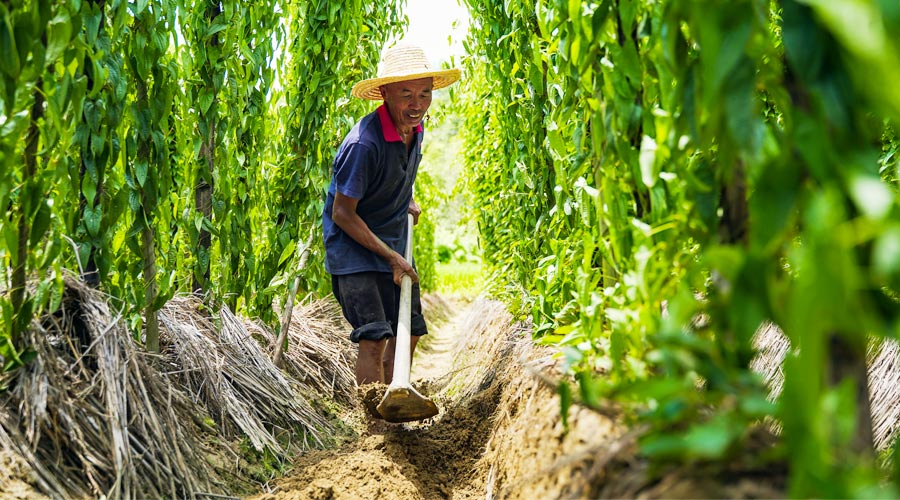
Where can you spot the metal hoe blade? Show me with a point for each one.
(405, 404)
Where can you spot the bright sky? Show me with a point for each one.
(431, 22)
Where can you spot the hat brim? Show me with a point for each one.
(368, 89)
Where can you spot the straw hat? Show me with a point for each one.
(399, 64)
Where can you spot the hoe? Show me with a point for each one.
(402, 403)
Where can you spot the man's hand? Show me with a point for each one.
(399, 267)
(414, 210)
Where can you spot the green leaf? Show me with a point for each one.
(11, 238)
(89, 186)
(92, 19)
(140, 171)
(98, 142)
(206, 99)
(59, 34)
(214, 28)
(92, 218)
(84, 253)
(13, 128)
(9, 55)
(287, 252)
(555, 139)
(92, 115)
(40, 223)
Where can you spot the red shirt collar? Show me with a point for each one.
(387, 125)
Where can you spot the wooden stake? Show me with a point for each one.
(289, 305)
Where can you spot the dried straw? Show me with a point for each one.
(90, 415)
(884, 391)
(488, 327)
(94, 416)
(229, 373)
(319, 353)
(772, 347)
(884, 377)
(502, 366)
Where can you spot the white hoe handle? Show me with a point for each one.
(402, 360)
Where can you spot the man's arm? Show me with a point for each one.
(344, 214)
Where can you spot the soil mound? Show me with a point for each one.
(498, 432)
(432, 459)
(399, 461)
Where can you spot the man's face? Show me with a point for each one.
(407, 102)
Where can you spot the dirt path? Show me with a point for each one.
(433, 459)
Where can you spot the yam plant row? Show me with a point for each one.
(654, 181)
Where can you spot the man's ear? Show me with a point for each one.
(381, 89)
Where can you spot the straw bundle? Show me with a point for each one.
(771, 348)
(319, 353)
(230, 373)
(488, 328)
(884, 377)
(91, 416)
(884, 391)
(94, 416)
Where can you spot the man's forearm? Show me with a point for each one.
(356, 228)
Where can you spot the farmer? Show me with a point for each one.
(364, 223)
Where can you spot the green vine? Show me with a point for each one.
(702, 169)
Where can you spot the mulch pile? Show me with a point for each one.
(94, 415)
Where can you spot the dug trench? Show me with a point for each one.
(438, 458)
(499, 433)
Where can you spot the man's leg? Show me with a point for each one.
(388, 359)
(368, 362)
(360, 297)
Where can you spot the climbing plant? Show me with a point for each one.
(163, 146)
(41, 92)
(147, 157)
(678, 174)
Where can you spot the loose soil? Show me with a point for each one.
(16, 479)
(432, 459)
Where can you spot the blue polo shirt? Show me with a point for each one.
(375, 167)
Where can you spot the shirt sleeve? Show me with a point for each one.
(351, 170)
